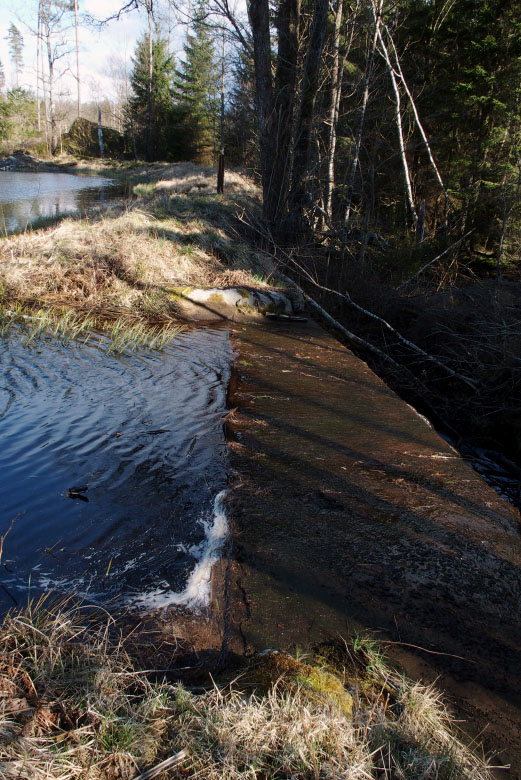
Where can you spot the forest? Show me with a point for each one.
(385, 138)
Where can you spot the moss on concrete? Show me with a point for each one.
(317, 683)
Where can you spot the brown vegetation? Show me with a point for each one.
(124, 262)
(74, 705)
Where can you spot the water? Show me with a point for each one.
(112, 469)
(26, 197)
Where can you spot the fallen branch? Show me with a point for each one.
(469, 382)
(351, 337)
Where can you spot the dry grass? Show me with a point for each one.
(177, 234)
(189, 178)
(72, 705)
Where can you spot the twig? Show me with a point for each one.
(432, 652)
(168, 763)
(438, 257)
(3, 537)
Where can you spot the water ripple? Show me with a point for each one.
(141, 439)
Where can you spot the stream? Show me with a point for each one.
(112, 468)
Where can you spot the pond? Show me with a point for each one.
(112, 470)
(26, 197)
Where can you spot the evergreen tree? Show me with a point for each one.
(16, 48)
(196, 88)
(241, 119)
(17, 118)
(464, 63)
(151, 130)
(2, 77)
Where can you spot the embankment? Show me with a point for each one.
(352, 513)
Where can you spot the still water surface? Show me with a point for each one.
(25, 196)
(139, 438)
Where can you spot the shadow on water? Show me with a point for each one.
(110, 466)
(351, 511)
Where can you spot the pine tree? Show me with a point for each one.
(151, 130)
(196, 88)
(464, 62)
(2, 77)
(16, 48)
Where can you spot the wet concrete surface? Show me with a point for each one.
(350, 512)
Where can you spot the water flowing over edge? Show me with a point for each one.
(198, 590)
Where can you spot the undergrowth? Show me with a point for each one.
(74, 705)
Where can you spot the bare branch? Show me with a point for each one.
(398, 115)
(132, 5)
(438, 257)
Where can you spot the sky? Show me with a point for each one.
(97, 47)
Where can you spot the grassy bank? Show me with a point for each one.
(125, 263)
(74, 704)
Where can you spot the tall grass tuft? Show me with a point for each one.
(66, 325)
(73, 705)
(131, 335)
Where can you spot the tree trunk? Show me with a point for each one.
(52, 112)
(334, 103)
(100, 135)
(259, 14)
(148, 119)
(220, 171)
(304, 123)
(399, 128)
(417, 119)
(288, 19)
(38, 68)
(361, 122)
(77, 55)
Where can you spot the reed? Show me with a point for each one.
(66, 325)
(131, 335)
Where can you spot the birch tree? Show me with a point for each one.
(55, 22)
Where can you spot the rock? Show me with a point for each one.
(234, 302)
(19, 161)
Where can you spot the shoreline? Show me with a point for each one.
(174, 226)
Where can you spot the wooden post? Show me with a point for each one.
(220, 169)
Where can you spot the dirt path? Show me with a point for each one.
(351, 512)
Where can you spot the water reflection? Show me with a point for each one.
(110, 466)
(26, 197)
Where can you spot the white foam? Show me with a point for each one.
(195, 595)
(198, 590)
